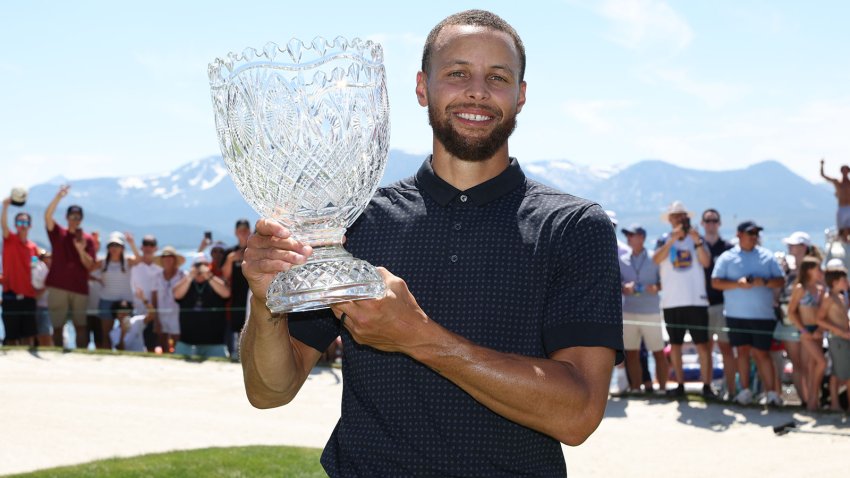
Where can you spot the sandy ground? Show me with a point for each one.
(60, 409)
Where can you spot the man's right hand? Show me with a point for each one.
(63, 191)
(271, 249)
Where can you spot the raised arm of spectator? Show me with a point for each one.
(137, 256)
(51, 208)
(183, 286)
(88, 261)
(823, 174)
(702, 252)
(4, 217)
(219, 286)
(662, 253)
(227, 268)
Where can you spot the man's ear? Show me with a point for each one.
(422, 88)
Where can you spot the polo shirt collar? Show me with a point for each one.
(444, 193)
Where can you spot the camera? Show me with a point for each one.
(208, 235)
(686, 225)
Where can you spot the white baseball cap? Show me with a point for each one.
(798, 237)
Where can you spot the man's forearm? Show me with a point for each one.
(273, 368)
(557, 398)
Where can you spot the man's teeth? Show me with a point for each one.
(472, 117)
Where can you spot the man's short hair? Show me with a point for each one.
(243, 223)
(710, 210)
(23, 214)
(480, 18)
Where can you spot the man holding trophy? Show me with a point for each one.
(498, 320)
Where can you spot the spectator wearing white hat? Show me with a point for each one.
(746, 274)
(202, 297)
(168, 310)
(115, 276)
(682, 256)
(804, 256)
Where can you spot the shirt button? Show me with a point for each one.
(463, 198)
(453, 258)
(457, 226)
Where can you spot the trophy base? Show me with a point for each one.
(331, 275)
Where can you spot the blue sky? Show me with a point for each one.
(101, 89)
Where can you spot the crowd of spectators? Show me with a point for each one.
(732, 299)
(755, 308)
(123, 298)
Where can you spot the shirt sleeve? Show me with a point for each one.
(719, 271)
(316, 328)
(584, 305)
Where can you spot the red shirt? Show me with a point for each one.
(67, 271)
(17, 274)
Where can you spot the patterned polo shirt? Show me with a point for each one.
(509, 264)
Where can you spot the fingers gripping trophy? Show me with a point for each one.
(304, 131)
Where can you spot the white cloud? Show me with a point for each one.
(594, 113)
(644, 24)
(712, 93)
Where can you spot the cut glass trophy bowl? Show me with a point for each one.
(304, 131)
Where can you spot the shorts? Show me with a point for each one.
(717, 323)
(842, 219)
(203, 351)
(786, 333)
(169, 324)
(839, 351)
(755, 332)
(62, 303)
(693, 319)
(104, 309)
(18, 316)
(42, 321)
(642, 326)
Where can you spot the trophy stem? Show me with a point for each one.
(331, 275)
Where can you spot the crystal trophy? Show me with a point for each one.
(304, 131)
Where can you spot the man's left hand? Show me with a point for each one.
(393, 323)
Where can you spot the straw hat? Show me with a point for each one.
(676, 208)
(169, 251)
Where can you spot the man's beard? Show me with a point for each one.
(470, 149)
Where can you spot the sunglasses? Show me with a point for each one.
(753, 233)
(148, 244)
(75, 217)
(711, 221)
(22, 223)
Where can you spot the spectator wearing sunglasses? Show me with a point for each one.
(716, 320)
(747, 275)
(74, 257)
(19, 296)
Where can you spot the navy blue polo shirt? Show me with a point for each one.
(509, 264)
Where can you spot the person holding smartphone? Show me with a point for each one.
(681, 256)
(74, 257)
(202, 298)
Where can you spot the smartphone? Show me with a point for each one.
(686, 224)
(78, 234)
(208, 235)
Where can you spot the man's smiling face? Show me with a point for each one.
(473, 91)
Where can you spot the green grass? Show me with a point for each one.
(237, 462)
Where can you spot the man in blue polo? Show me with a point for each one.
(747, 275)
(497, 336)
